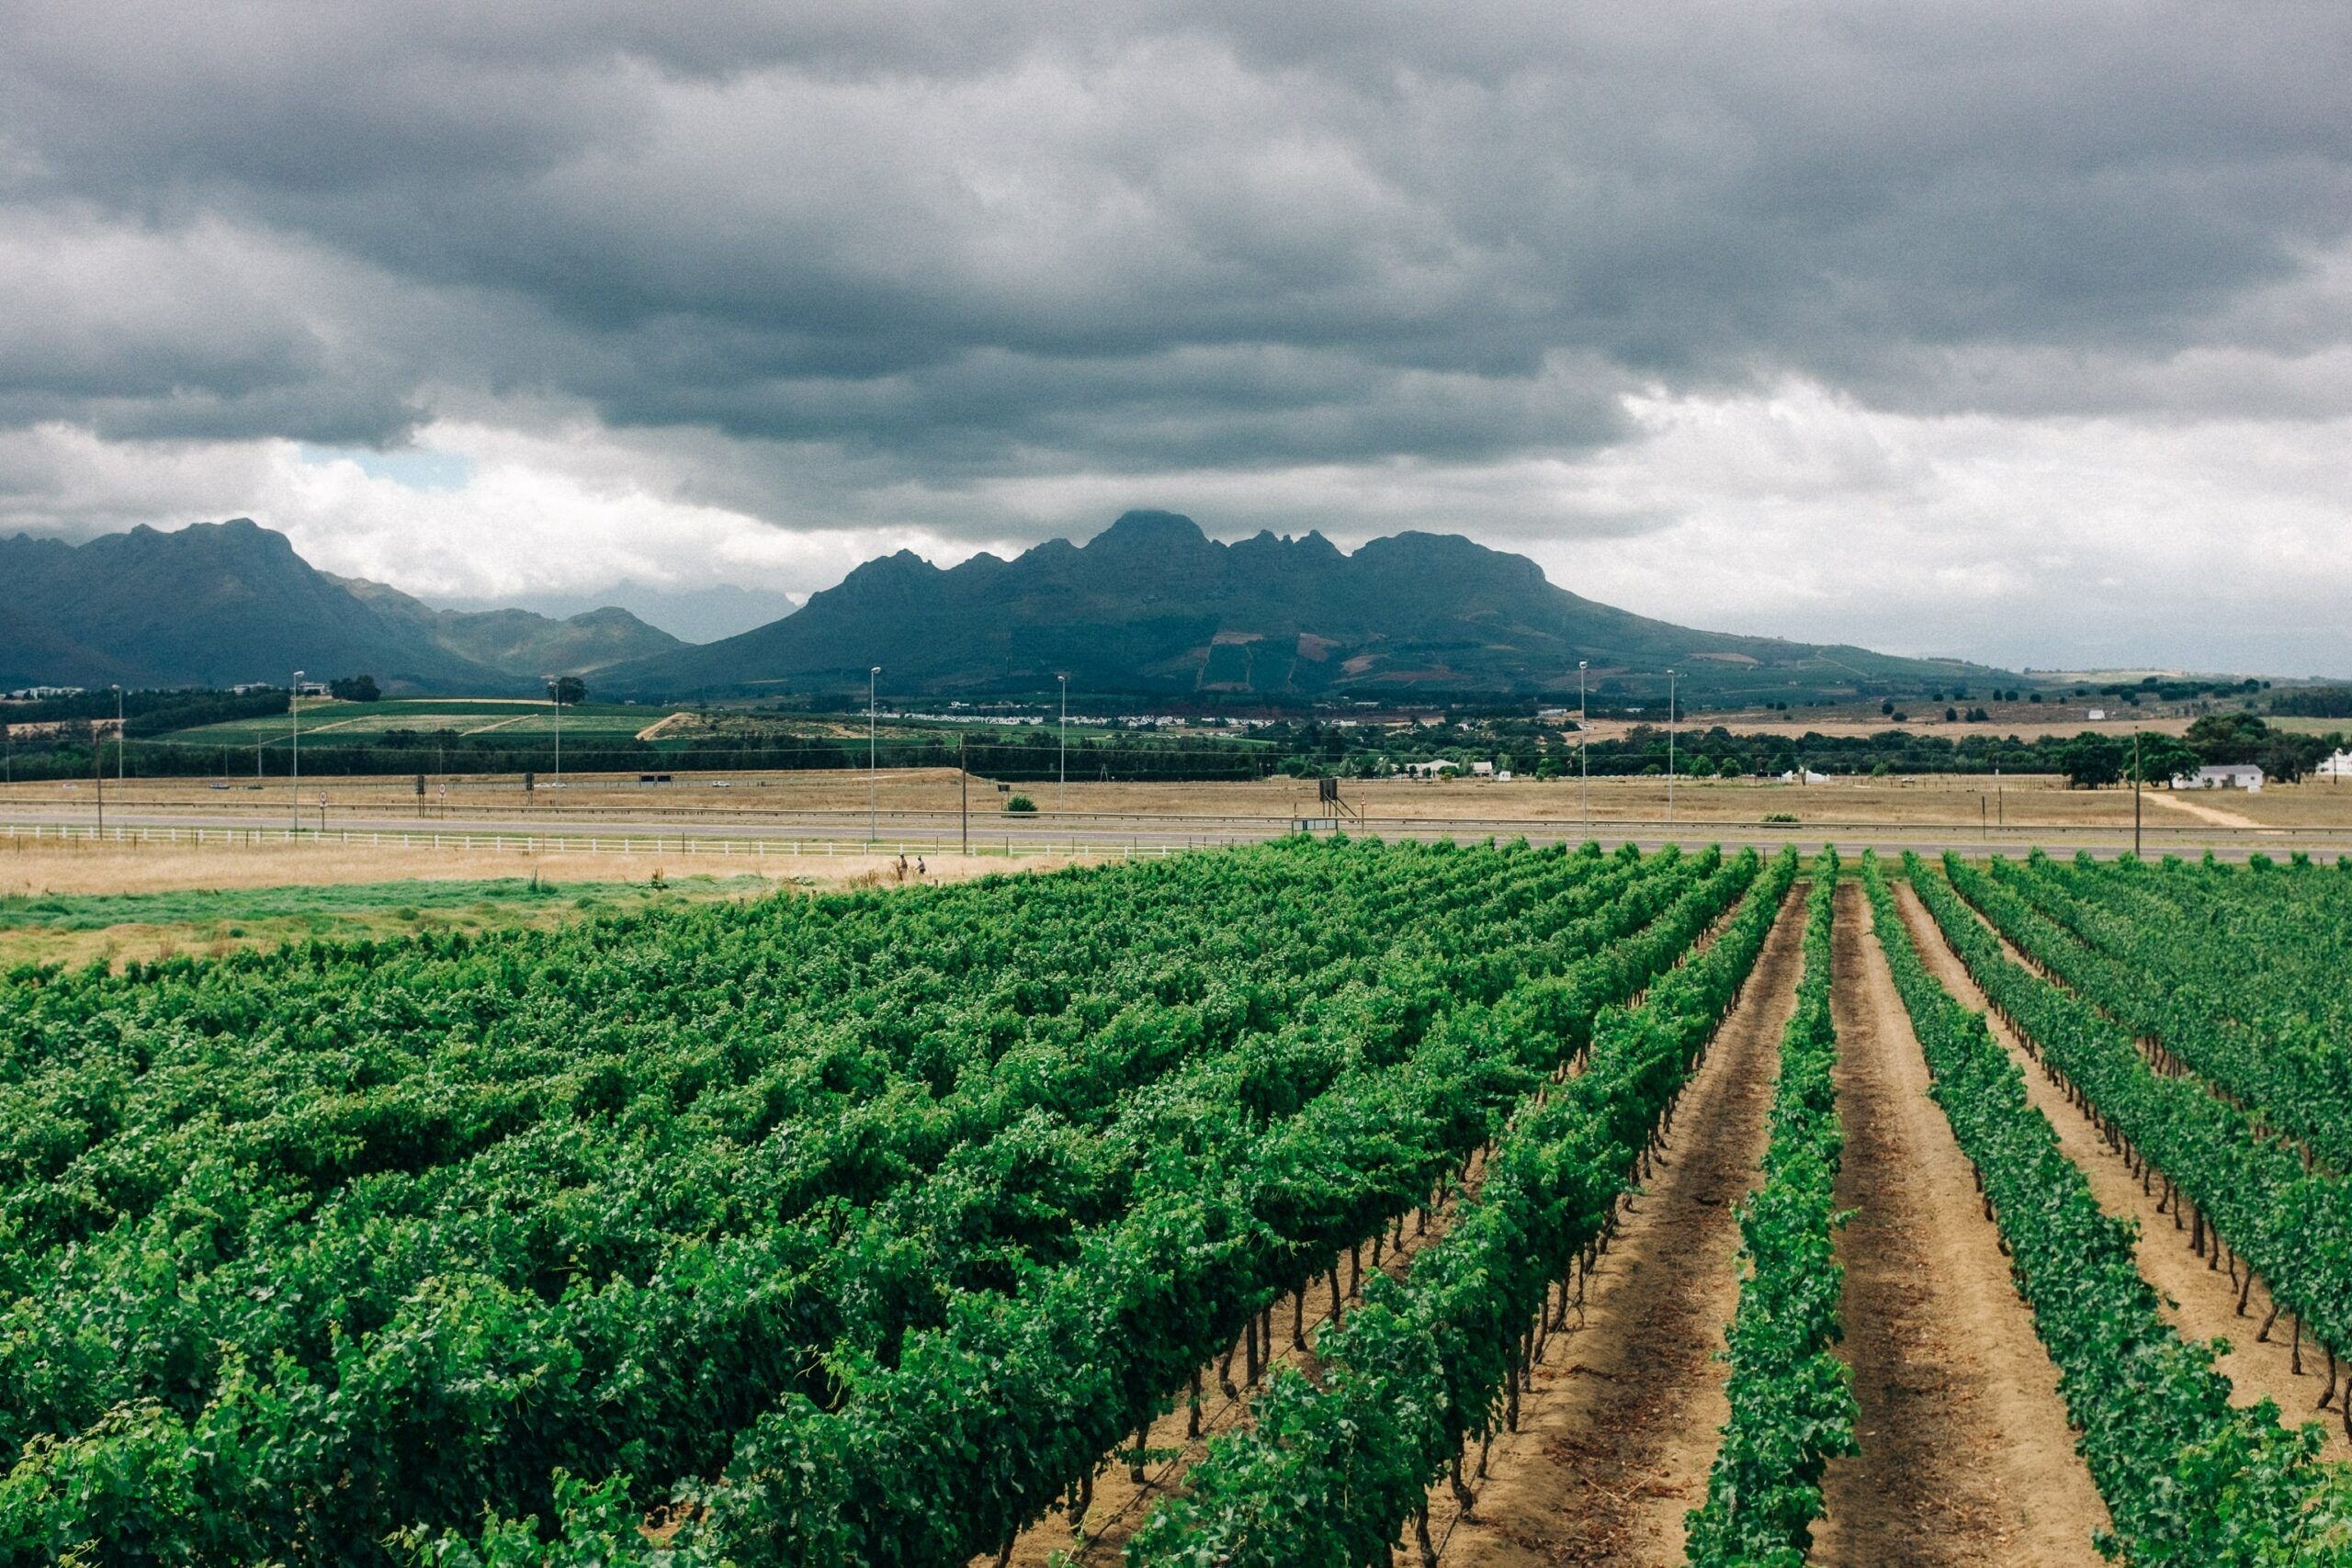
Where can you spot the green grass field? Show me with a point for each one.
(48, 928)
(96, 911)
(363, 724)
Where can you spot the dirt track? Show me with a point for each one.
(1615, 1439)
(2201, 1300)
(1965, 1456)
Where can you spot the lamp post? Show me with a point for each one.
(873, 764)
(1061, 789)
(1669, 748)
(1584, 731)
(294, 712)
(555, 694)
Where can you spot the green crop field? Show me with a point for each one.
(1300, 1204)
(364, 723)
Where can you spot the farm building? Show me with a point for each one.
(2338, 766)
(2224, 776)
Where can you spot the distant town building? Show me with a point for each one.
(2223, 775)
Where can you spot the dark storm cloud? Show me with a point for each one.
(958, 240)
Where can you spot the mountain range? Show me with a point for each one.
(1150, 607)
(218, 604)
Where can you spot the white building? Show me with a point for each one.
(2339, 766)
(1436, 770)
(2224, 776)
(1482, 770)
(1807, 776)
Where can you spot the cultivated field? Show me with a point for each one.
(1313, 1203)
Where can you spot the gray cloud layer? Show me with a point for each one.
(875, 248)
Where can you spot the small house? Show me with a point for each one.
(1482, 770)
(2338, 766)
(2223, 775)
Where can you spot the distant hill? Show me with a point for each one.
(520, 642)
(1153, 605)
(216, 604)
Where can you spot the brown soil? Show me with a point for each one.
(1618, 1432)
(1965, 1456)
(2201, 1300)
(928, 800)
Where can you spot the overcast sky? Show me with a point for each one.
(2016, 331)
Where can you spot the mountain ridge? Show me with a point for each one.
(1150, 607)
(1153, 605)
(216, 604)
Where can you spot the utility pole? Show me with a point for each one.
(555, 690)
(964, 778)
(1061, 790)
(1584, 731)
(117, 734)
(2135, 794)
(1669, 748)
(98, 773)
(294, 712)
(872, 776)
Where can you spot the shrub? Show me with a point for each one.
(1020, 804)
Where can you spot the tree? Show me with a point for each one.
(2094, 761)
(567, 691)
(356, 689)
(2220, 737)
(2163, 757)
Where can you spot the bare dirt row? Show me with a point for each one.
(1618, 1430)
(1966, 1457)
(1965, 1454)
(2201, 1297)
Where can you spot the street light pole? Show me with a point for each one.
(1584, 731)
(1669, 748)
(294, 712)
(873, 763)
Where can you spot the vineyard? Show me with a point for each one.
(1330, 1202)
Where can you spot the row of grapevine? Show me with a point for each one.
(2177, 972)
(1333, 1473)
(1791, 1399)
(2291, 1224)
(2189, 1479)
(1026, 1393)
(250, 1364)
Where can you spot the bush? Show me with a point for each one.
(1020, 804)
